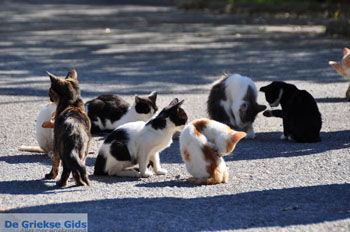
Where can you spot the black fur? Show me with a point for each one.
(301, 117)
(174, 112)
(214, 108)
(109, 106)
(71, 130)
(119, 139)
(113, 107)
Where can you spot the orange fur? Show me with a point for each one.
(200, 125)
(231, 143)
(48, 124)
(186, 155)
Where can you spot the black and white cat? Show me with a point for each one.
(139, 143)
(107, 112)
(232, 101)
(301, 118)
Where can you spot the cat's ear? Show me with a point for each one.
(53, 78)
(153, 96)
(137, 99)
(238, 136)
(261, 108)
(72, 74)
(346, 51)
(244, 106)
(174, 102)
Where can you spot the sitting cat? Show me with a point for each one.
(232, 101)
(343, 67)
(44, 131)
(71, 130)
(140, 142)
(107, 112)
(203, 143)
(301, 118)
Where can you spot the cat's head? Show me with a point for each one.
(343, 67)
(232, 139)
(273, 92)
(249, 108)
(172, 115)
(64, 89)
(146, 107)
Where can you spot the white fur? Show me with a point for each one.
(130, 116)
(236, 89)
(44, 136)
(145, 144)
(214, 135)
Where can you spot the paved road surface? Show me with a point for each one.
(274, 185)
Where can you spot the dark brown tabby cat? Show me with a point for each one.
(71, 130)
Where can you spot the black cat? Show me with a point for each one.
(301, 118)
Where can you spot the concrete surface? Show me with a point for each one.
(274, 185)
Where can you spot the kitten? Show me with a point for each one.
(140, 142)
(232, 101)
(44, 130)
(203, 143)
(301, 118)
(71, 130)
(108, 112)
(343, 67)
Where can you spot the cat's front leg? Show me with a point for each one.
(156, 164)
(143, 163)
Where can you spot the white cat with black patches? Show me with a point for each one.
(108, 112)
(232, 101)
(139, 143)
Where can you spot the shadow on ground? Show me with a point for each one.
(270, 146)
(277, 207)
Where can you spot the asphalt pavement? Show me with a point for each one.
(135, 47)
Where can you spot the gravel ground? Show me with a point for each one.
(274, 185)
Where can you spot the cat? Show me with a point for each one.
(44, 130)
(232, 101)
(302, 120)
(71, 130)
(343, 67)
(107, 112)
(139, 143)
(203, 143)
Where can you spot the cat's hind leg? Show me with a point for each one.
(64, 177)
(156, 164)
(56, 160)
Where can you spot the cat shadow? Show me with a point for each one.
(331, 100)
(113, 179)
(27, 158)
(254, 209)
(268, 145)
(182, 183)
(32, 187)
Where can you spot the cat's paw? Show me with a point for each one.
(161, 171)
(50, 176)
(283, 137)
(61, 184)
(147, 173)
(267, 113)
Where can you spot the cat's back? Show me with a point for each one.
(109, 106)
(237, 86)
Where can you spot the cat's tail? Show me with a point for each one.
(31, 149)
